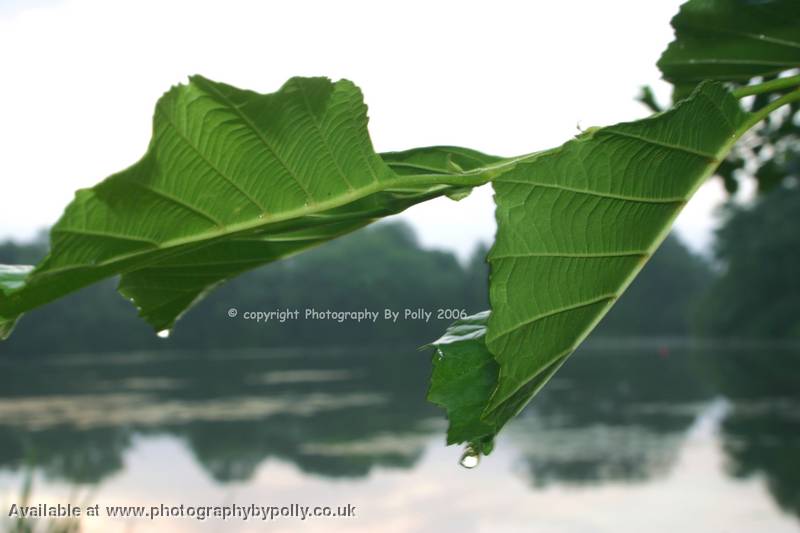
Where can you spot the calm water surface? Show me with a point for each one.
(621, 440)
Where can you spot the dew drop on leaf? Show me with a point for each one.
(164, 333)
(470, 458)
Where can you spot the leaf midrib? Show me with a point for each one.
(209, 237)
(691, 29)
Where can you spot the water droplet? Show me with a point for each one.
(164, 333)
(470, 458)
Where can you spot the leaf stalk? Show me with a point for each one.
(768, 86)
(762, 113)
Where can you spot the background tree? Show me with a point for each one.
(758, 291)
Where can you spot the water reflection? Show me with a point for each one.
(76, 416)
(761, 434)
(609, 416)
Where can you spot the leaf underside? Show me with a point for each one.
(575, 225)
(232, 180)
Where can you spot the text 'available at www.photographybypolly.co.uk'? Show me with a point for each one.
(196, 512)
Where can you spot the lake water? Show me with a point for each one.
(622, 439)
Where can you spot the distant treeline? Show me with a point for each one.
(757, 293)
(754, 292)
(379, 268)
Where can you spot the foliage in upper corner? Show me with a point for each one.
(731, 40)
(735, 41)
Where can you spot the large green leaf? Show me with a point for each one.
(231, 180)
(731, 40)
(575, 226)
(577, 223)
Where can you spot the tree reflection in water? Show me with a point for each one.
(609, 415)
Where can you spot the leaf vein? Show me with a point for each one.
(176, 201)
(570, 255)
(679, 148)
(534, 184)
(244, 193)
(105, 234)
(263, 140)
(554, 312)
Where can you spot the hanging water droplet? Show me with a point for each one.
(470, 458)
(164, 333)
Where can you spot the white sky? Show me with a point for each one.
(79, 79)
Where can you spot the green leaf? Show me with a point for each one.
(731, 40)
(441, 160)
(231, 180)
(438, 160)
(464, 378)
(12, 277)
(576, 224)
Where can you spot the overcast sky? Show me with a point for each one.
(80, 79)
